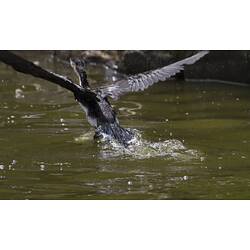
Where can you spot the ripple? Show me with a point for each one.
(126, 111)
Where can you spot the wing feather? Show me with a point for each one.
(22, 65)
(142, 81)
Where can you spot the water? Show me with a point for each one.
(193, 142)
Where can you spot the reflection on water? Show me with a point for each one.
(193, 142)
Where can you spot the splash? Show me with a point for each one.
(140, 148)
(88, 136)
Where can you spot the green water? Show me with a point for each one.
(193, 142)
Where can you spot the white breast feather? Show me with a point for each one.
(92, 121)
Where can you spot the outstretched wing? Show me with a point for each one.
(144, 80)
(26, 67)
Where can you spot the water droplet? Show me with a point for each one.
(13, 162)
(19, 94)
(185, 178)
(1, 167)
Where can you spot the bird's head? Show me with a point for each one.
(79, 65)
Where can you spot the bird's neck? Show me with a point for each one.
(83, 79)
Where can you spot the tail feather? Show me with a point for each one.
(115, 131)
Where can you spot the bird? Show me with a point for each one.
(96, 102)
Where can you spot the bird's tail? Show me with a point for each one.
(116, 132)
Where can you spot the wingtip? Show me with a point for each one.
(201, 54)
(205, 52)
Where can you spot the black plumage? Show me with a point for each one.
(95, 103)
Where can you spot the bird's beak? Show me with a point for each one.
(71, 62)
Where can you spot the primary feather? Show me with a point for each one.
(144, 80)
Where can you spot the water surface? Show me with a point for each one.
(193, 142)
